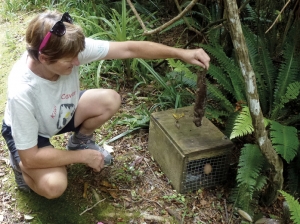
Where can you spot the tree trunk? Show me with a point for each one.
(265, 145)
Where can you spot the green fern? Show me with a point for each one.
(288, 71)
(249, 178)
(231, 70)
(260, 182)
(243, 124)
(250, 164)
(215, 114)
(204, 12)
(179, 67)
(285, 140)
(173, 25)
(292, 92)
(292, 119)
(218, 74)
(216, 93)
(294, 207)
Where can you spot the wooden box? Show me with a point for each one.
(191, 157)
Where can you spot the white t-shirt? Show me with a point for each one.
(37, 106)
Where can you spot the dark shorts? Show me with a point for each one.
(41, 141)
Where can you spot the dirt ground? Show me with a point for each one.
(133, 190)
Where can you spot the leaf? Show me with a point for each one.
(85, 187)
(177, 116)
(245, 215)
(28, 217)
(285, 140)
(108, 148)
(105, 183)
(243, 124)
(250, 164)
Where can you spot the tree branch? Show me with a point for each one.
(279, 14)
(185, 20)
(137, 15)
(160, 28)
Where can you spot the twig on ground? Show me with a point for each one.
(226, 212)
(153, 202)
(92, 207)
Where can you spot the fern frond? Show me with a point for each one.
(182, 71)
(285, 140)
(222, 78)
(173, 25)
(269, 71)
(294, 206)
(204, 12)
(293, 119)
(231, 69)
(289, 69)
(251, 14)
(216, 93)
(260, 182)
(214, 36)
(179, 67)
(243, 124)
(250, 164)
(214, 114)
(292, 92)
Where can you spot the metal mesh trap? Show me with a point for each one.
(185, 152)
(206, 172)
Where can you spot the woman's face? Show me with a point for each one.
(63, 66)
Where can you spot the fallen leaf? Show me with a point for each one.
(105, 183)
(203, 202)
(85, 187)
(108, 148)
(245, 215)
(28, 217)
(113, 193)
(177, 116)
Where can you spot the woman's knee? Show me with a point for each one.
(54, 187)
(112, 99)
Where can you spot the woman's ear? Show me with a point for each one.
(43, 58)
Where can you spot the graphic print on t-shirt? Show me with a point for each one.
(66, 112)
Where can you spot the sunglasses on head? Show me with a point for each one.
(58, 29)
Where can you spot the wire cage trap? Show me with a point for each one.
(206, 172)
(191, 157)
